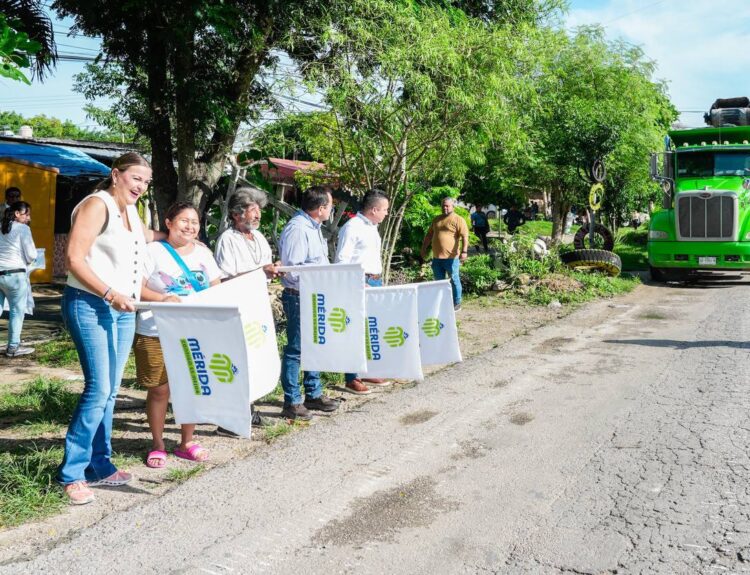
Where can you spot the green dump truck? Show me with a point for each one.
(704, 222)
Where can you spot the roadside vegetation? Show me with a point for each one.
(630, 245)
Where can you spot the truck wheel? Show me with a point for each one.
(600, 260)
(603, 238)
(656, 274)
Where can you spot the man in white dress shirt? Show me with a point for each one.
(359, 243)
(242, 249)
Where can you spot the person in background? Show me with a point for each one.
(302, 243)
(105, 258)
(175, 267)
(513, 219)
(448, 235)
(481, 225)
(359, 243)
(12, 195)
(243, 249)
(17, 251)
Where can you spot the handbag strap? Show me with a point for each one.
(180, 262)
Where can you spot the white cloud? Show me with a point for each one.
(701, 48)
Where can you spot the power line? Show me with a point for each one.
(78, 47)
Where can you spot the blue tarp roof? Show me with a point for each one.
(71, 163)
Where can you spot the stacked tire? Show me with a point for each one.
(596, 260)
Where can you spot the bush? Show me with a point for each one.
(478, 274)
(518, 258)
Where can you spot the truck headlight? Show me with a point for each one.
(658, 235)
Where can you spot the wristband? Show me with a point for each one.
(104, 295)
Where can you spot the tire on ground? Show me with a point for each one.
(601, 260)
(608, 240)
(657, 274)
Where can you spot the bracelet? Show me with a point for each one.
(104, 295)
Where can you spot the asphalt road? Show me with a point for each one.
(614, 440)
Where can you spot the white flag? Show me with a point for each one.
(392, 332)
(332, 317)
(204, 351)
(438, 338)
(249, 292)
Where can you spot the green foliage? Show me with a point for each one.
(16, 51)
(418, 215)
(478, 274)
(179, 475)
(59, 352)
(28, 490)
(630, 245)
(592, 285)
(280, 429)
(41, 400)
(49, 127)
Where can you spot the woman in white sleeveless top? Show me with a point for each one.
(105, 254)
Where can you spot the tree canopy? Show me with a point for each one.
(27, 40)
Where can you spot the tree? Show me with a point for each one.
(194, 69)
(416, 93)
(49, 127)
(594, 99)
(27, 40)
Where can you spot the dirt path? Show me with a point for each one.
(484, 324)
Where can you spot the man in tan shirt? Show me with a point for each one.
(445, 232)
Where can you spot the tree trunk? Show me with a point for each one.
(160, 131)
(560, 209)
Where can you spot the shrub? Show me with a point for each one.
(478, 274)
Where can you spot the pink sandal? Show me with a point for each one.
(159, 456)
(192, 453)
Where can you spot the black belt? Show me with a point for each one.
(373, 276)
(16, 271)
(291, 291)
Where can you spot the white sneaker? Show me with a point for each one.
(19, 350)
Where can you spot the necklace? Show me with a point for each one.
(254, 248)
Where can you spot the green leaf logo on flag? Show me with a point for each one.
(432, 326)
(395, 336)
(255, 334)
(338, 319)
(221, 366)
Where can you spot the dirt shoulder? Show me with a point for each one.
(484, 323)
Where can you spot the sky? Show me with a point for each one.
(700, 47)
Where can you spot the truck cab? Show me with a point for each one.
(704, 222)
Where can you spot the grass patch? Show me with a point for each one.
(42, 400)
(59, 352)
(125, 460)
(276, 430)
(630, 245)
(177, 475)
(28, 490)
(38, 429)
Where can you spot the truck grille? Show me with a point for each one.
(704, 215)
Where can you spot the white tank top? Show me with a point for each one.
(117, 254)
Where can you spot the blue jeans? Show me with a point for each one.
(448, 266)
(292, 354)
(103, 338)
(15, 287)
(372, 283)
